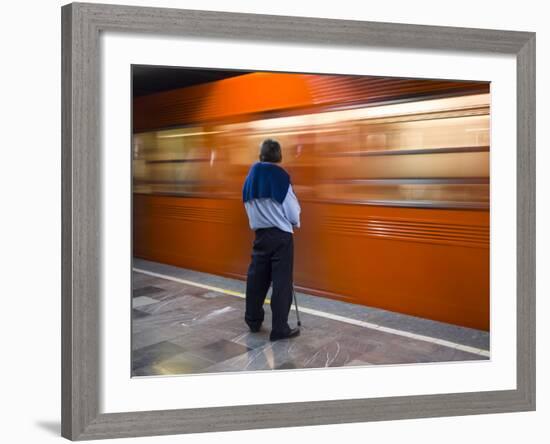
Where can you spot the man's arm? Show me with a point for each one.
(291, 207)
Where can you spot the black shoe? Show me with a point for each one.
(254, 327)
(293, 332)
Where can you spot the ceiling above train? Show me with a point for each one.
(149, 79)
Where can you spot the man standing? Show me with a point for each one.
(273, 211)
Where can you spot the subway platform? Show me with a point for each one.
(188, 322)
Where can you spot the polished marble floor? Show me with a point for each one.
(187, 322)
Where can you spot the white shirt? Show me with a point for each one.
(267, 213)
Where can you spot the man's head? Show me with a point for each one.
(270, 151)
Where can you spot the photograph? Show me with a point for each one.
(298, 221)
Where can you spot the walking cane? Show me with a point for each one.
(296, 306)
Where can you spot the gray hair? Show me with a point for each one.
(270, 151)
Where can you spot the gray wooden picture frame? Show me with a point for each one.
(81, 172)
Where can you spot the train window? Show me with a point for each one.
(434, 158)
(430, 152)
(444, 132)
(180, 161)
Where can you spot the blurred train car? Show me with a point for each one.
(392, 176)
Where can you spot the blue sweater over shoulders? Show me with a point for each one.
(266, 180)
(269, 199)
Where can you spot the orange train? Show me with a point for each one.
(392, 176)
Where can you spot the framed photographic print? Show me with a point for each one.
(278, 221)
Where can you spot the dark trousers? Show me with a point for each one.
(272, 261)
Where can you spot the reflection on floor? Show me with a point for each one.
(187, 322)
